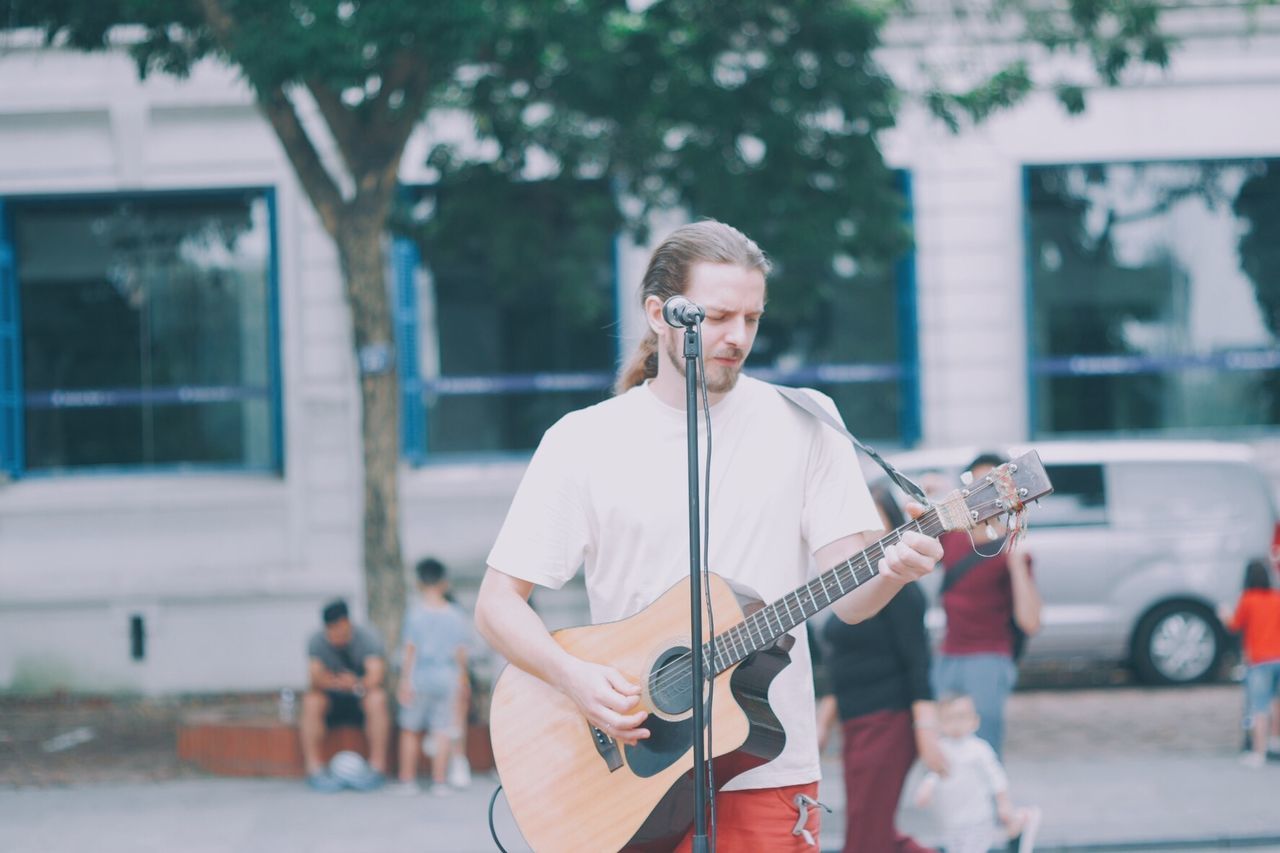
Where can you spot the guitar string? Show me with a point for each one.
(676, 670)
(668, 675)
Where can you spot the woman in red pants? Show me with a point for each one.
(878, 672)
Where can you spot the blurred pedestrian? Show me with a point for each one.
(433, 674)
(972, 802)
(992, 605)
(878, 674)
(346, 669)
(1257, 618)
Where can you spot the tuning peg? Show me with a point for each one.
(966, 478)
(991, 531)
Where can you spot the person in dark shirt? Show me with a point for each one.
(345, 667)
(878, 675)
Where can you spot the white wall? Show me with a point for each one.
(229, 571)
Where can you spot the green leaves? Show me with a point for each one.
(761, 113)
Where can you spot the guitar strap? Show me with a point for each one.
(808, 404)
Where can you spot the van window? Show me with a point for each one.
(1079, 497)
(1199, 496)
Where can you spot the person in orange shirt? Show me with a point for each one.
(1257, 618)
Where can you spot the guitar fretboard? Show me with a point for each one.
(763, 627)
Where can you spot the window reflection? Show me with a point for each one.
(1151, 294)
(523, 307)
(146, 331)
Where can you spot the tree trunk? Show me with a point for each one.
(360, 248)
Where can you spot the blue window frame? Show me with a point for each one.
(139, 331)
(1154, 297)
(501, 376)
(10, 360)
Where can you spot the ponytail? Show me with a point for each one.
(642, 365)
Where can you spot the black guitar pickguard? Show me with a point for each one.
(667, 741)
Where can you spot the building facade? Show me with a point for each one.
(179, 424)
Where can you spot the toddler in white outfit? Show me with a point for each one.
(972, 802)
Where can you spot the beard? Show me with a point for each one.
(719, 378)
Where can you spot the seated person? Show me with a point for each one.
(346, 669)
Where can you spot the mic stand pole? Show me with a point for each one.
(701, 796)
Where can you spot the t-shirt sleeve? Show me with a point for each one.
(315, 647)
(837, 502)
(545, 535)
(409, 631)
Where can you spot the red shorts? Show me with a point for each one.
(762, 819)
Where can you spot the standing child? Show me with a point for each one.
(1257, 617)
(432, 674)
(963, 800)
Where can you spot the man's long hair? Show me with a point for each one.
(707, 241)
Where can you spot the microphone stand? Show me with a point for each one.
(701, 796)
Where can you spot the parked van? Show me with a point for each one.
(1139, 544)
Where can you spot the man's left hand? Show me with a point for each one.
(913, 556)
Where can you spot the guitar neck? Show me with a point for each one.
(761, 629)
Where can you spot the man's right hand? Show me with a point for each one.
(606, 698)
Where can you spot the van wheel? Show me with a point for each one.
(1177, 643)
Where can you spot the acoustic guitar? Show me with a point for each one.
(571, 787)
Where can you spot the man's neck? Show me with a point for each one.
(669, 387)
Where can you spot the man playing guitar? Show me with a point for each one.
(603, 492)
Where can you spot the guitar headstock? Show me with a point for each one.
(1005, 490)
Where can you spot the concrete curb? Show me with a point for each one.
(1216, 843)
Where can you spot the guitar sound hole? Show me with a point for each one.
(669, 682)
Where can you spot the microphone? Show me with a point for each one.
(680, 312)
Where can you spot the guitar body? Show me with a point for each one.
(572, 788)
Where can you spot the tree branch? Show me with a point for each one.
(315, 178)
(391, 126)
(339, 119)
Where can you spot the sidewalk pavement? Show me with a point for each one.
(1182, 802)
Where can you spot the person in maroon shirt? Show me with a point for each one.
(984, 598)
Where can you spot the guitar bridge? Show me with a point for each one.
(607, 747)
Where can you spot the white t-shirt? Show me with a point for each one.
(607, 490)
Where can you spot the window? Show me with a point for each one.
(1079, 497)
(524, 310)
(141, 333)
(854, 340)
(1155, 296)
